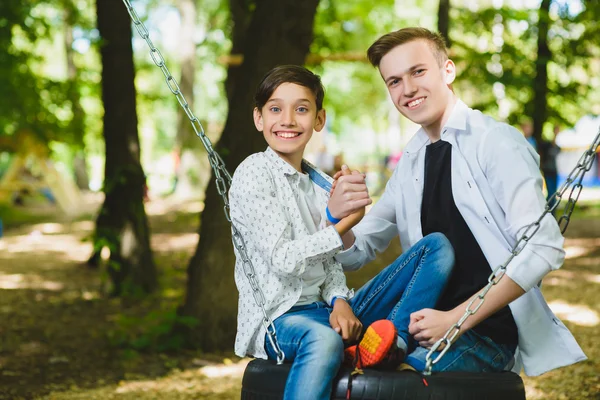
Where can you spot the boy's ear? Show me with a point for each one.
(320, 120)
(258, 121)
(450, 71)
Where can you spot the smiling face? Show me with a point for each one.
(418, 86)
(288, 119)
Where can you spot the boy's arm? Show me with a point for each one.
(373, 234)
(335, 292)
(511, 168)
(335, 280)
(428, 326)
(256, 208)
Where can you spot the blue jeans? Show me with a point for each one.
(470, 353)
(414, 281)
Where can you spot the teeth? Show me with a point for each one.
(415, 103)
(287, 135)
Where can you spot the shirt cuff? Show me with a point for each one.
(348, 257)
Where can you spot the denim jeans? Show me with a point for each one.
(414, 281)
(470, 353)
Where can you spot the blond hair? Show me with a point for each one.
(389, 41)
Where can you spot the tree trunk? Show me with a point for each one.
(240, 19)
(122, 224)
(187, 58)
(77, 124)
(540, 85)
(192, 169)
(280, 32)
(444, 20)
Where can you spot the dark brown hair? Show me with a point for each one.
(387, 42)
(288, 74)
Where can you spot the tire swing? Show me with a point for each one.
(265, 380)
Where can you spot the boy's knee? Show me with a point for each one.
(327, 343)
(333, 344)
(439, 242)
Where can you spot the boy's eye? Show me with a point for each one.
(393, 82)
(275, 109)
(419, 72)
(302, 109)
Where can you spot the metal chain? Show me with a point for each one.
(583, 165)
(222, 176)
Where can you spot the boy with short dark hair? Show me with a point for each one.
(291, 227)
(476, 181)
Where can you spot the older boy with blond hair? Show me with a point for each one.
(477, 181)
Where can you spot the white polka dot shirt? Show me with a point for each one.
(264, 208)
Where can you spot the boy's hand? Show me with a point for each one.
(339, 174)
(427, 326)
(344, 322)
(349, 193)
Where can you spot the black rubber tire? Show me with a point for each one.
(264, 380)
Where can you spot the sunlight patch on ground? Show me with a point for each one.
(564, 277)
(533, 393)
(223, 370)
(70, 245)
(579, 247)
(30, 281)
(174, 242)
(219, 377)
(585, 242)
(575, 313)
(577, 251)
(160, 207)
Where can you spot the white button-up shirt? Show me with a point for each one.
(497, 188)
(279, 244)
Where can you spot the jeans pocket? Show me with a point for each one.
(496, 356)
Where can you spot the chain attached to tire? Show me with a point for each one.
(222, 176)
(583, 165)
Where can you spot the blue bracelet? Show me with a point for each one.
(330, 217)
(337, 297)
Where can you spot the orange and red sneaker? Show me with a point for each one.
(377, 345)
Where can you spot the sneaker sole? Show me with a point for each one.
(376, 342)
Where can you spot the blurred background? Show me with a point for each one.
(116, 263)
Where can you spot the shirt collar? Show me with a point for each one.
(456, 123)
(280, 163)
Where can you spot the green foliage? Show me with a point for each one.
(152, 332)
(31, 101)
(497, 48)
(350, 27)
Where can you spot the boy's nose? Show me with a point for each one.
(288, 118)
(409, 88)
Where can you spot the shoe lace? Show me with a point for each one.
(357, 371)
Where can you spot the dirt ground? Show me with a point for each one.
(58, 331)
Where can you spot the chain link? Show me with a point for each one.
(576, 175)
(222, 176)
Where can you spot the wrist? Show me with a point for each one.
(456, 314)
(335, 298)
(330, 217)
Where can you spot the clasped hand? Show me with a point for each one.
(427, 326)
(349, 194)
